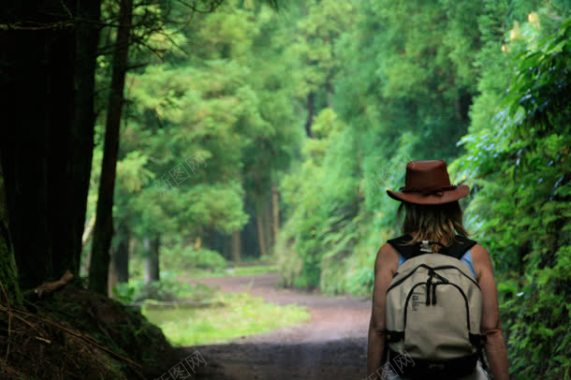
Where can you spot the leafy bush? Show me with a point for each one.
(415, 76)
(522, 207)
(187, 258)
(206, 259)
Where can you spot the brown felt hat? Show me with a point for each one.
(428, 183)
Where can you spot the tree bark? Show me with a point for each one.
(119, 266)
(87, 39)
(152, 265)
(103, 233)
(25, 148)
(88, 231)
(236, 246)
(310, 104)
(275, 213)
(268, 223)
(43, 192)
(10, 291)
(261, 228)
(70, 188)
(329, 89)
(121, 262)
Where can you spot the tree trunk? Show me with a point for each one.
(112, 276)
(275, 213)
(197, 243)
(45, 192)
(88, 231)
(310, 113)
(103, 233)
(119, 267)
(47, 152)
(121, 262)
(236, 246)
(25, 148)
(261, 228)
(152, 266)
(268, 223)
(87, 39)
(8, 274)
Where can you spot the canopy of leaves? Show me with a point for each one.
(222, 116)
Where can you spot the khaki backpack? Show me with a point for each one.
(433, 312)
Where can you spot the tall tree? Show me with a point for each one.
(152, 248)
(103, 232)
(236, 247)
(82, 135)
(46, 153)
(8, 273)
(119, 266)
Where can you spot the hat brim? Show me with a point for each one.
(431, 199)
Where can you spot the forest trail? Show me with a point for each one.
(330, 345)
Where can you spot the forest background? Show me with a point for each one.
(251, 133)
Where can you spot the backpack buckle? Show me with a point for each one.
(436, 366)
(425, 246)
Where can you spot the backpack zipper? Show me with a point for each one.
(440, 283)
(408, 298)
(458, 269)
(433, 268)
(408, 275)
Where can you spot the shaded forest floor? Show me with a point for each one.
(77, 334)
(331, 345)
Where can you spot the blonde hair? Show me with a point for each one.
(440, 223)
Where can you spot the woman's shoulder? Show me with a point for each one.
(387, 255)
(481, 259)
(388, 251)
(479, 251)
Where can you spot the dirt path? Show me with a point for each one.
(331, 345)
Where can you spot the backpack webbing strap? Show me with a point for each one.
(394, 336)
(457, 249)
(416, 368)
(479, 341)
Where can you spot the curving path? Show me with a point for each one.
(331, 345)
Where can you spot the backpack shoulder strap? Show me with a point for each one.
(457, 249)
(406, 251)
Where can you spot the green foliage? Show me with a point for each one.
(392, 93)
(188, 259)
(169, 289)
(252, 270)
(322, 201)
(484, 86)
(124, 293)
(523, 205)
(209, 124)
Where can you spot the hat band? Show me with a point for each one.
(428, 190)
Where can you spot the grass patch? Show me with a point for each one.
(168, 289)
(241, 315)
(251, 270)
(243, 270)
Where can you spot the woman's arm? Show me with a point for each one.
(386, 265)
(496, 351)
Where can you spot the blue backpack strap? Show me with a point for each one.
(457, 249)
